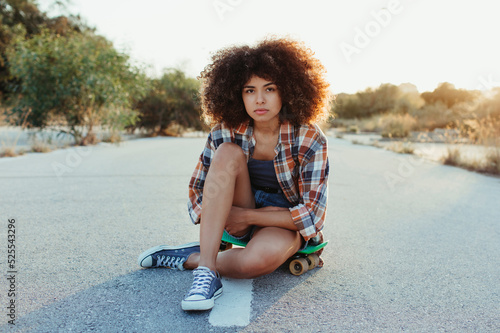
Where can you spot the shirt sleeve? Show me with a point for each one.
(309, 215)
(198, 180)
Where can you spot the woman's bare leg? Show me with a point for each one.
(268, 249)
(227, 184)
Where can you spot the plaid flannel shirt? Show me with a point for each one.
(301, 165)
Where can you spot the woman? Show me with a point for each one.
(263, 174)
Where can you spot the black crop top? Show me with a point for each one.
(262, 173)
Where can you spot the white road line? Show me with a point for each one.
(233, 308)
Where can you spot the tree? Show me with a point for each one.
(79, 77)
(368, 102)
(448, 95)
(24, 16)
(346, 106)
(173, 99)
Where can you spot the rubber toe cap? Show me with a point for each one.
(145, 262)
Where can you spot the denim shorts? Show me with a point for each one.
(265, 199)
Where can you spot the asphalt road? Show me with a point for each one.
(414, 245)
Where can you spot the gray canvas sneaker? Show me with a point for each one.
(207, 286)
(168, 256)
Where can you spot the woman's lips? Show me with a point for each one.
(261, 111)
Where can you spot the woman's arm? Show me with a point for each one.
(240, 218)
(309, 214)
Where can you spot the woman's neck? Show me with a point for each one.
(266, 138)
(267, 129)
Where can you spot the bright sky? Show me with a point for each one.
(362, 43)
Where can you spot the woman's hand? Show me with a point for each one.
(240, 220)
(237, 223)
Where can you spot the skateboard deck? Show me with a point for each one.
(302, 261)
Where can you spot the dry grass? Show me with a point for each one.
(401, 147)
(390, 125)
(112, 137)
(493, 161)
(11, 152)
(452, 157)
(490, 164)
(89, 140)
(484, 131)
(8, 152)
(396, 125)
(476, 122)
(433, 116)
(3, 116)
(353, 129)
(173, 130)
(40, 147)
(397, 147)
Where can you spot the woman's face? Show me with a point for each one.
(262, 100)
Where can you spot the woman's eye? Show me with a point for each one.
(249, 91)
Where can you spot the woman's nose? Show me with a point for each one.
(260, 98)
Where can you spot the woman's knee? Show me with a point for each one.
(270, 249)
(258, 264)
(230, 156)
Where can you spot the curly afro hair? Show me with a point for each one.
(299, 76)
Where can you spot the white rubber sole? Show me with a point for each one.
(202, 305)
(155, 249)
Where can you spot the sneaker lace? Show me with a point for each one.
(172, 262)
(201, 282)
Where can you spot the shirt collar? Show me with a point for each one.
(244, 129)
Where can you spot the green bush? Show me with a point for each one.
(366, 103)
(79, 77)
(171, 105)
(24, 16)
